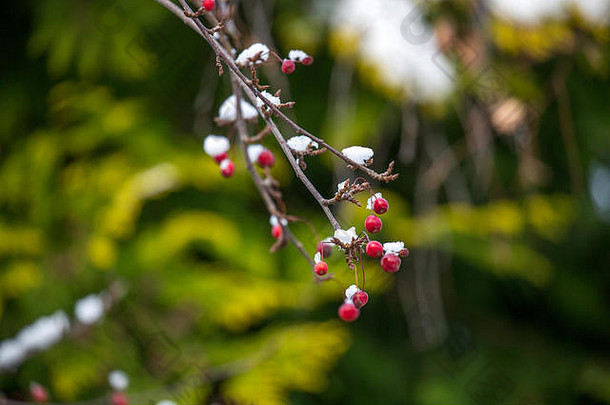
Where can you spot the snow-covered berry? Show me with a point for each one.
(119, 398)
(118, 380)
(393, 247)
(325, 248)
(254, 151)
(348, 312)
(350, 291)
(374, 249)
(321, 268)
(220, 158)
(360, 299)
(266, 158)
(208, 5)
(38, 393)
(380, 206)
(390, 262)
(273, 221)
(300, 57)
(227, 167)
(373, 224)
(308, 60)
(277, 231)
(404, 252)
(216, 146)
(288, 66)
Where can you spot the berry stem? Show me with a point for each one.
(362, 265)
(306, 222)
(276, 56)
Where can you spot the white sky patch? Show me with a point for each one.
(395, 40)
(599, 188)
(525, 12)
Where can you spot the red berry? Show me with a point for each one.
(266, 158)
(227, 168)
(119, 398)
(208, 5)
(325, 249)
(372, 224)
(390, 263)
(38, 393)
(404, 252)
(277, 231)
(348, 312)
(220, 158)
(320, 268)
(374, 249)
(360, 299)
(288, 66)
(308, 60)
(380, 205)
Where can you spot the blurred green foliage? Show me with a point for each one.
(102, 178)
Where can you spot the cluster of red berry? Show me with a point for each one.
(355, 299)
(294, 57)
(217, 147)
(390, 254)
(390, 261)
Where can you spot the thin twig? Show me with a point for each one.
(228, 60)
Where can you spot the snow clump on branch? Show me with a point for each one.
(358, 154)
(301, 143)
(228, 111)
(255, 55)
